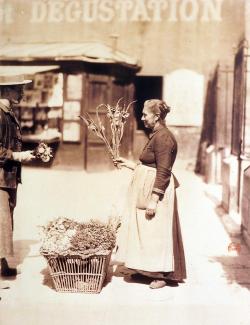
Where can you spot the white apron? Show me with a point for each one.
(147, 244)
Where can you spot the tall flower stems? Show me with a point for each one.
(117, 116)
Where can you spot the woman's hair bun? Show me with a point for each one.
(158, 106)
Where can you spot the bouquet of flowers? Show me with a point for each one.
(64, 236)
(43, 152)
(117, 116)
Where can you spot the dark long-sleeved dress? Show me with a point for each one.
(154, 246)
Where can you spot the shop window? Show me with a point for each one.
(40, 112)
(146, 88)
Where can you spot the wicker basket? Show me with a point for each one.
(78, 274)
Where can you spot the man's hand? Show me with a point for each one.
(23, 156)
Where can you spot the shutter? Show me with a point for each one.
(224, 103)
(239, 100)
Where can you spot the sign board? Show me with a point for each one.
(89, 11)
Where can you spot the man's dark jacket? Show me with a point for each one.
(10, 140)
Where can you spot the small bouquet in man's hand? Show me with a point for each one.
(43, 152)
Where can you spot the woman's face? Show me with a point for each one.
(148, 117)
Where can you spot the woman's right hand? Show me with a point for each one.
(122, 162)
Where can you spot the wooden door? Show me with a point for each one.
(98, 92)
(103, 89)
(124, 91)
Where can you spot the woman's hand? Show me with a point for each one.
(122, 162)
(152, 205)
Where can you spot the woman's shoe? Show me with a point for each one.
(140, 278)
(6, 270)
(172, 283)
(137, 277)
(157, 284)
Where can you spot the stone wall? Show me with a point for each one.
(165, 34)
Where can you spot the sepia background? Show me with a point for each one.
(82, 53)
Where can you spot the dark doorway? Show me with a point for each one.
(146, 88)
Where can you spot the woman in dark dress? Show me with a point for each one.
(150, 240)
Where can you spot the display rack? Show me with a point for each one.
(40, 113)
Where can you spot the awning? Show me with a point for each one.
(25, 69)
(88, 51)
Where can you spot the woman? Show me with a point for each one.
(150, 239)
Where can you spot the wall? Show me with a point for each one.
(245, 190)
(245, 206)
(164, 34)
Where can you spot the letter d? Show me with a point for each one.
(39, 11)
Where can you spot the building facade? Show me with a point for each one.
(176, 43)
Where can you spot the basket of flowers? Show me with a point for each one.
(78, 254)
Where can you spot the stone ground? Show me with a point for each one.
(216, 291)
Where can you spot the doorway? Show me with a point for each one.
(146, 88)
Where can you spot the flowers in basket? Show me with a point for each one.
(117, 116)
(43, 152)
(64, 236)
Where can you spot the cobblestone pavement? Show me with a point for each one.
(216, 291)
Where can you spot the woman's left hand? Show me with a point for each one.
(151, 209)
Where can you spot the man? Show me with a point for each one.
(11, 157)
